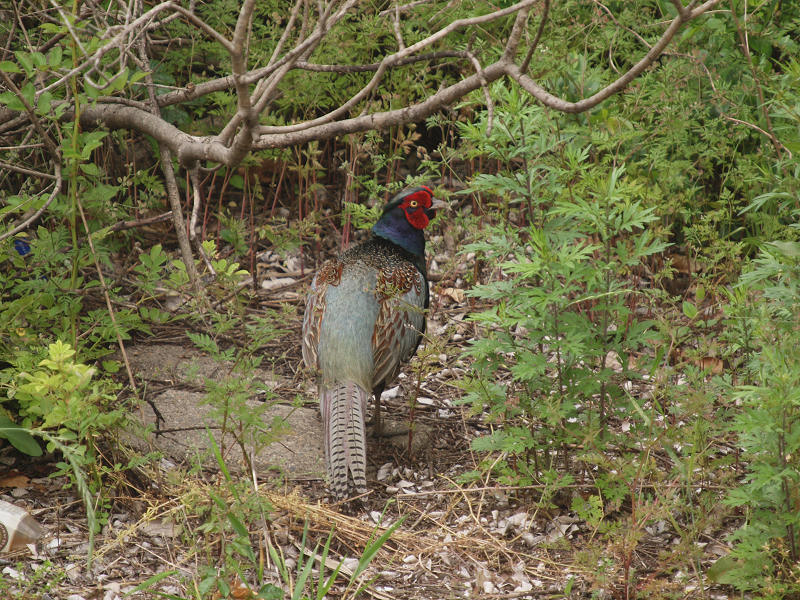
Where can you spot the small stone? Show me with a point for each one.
(384, 471)
(73, 572)
(391, 393)
(278, 282)
(517, 521)
(351, 564)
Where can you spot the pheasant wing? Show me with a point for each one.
(330, 273)
(401, 293)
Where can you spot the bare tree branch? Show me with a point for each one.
(193, 148)
(48, 141)
(173, 195)
(398, 34)
(286, 32)
(486, 95)
(384, 120)
(94, 59)
(390, 61)
(309, 24)
(562, 105)
(520, 24)
(193, 91)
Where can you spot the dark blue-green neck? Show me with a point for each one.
(394, 226)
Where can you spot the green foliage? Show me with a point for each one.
(51, 329)
(61, 394)
(60, 401)
(284, 235)
(562, 309)
(361, 216)
(767, 547)
(229, 395)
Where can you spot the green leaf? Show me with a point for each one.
(19, 437)
(269, 592)
(26, 62)
(111, 366)
(788, 249)
(54, 57)
(29, 93)
(90, 141)
(91, 169)
(53, 28)
(138, 76)
(302, 577)
(150, 582)
(372, 548)
(700, 293)
(722, 570)
(39, 60)
(11, 101)
(238, 526)
(689, 309)
(9, 67)
(45, 101)
(237, 181)
(120, 81)
(91, 91)
(206, 584)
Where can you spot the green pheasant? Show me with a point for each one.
(364, 316)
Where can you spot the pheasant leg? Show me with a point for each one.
(377, 423)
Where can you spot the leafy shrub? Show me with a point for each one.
(767, 547)
(563, 307)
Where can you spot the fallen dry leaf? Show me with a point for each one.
(455, 294)
(14, 480)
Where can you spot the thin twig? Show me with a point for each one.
(539, 31)
(198, 243)
(25, 171)
(486, 95)
(122, 225)
(398, 35)
(32, 219)
(109, 307)
(775, 141)
(742, 33)
(173, 195)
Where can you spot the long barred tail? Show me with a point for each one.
(343, 408)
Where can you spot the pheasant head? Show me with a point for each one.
(405, 218)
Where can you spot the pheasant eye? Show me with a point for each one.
(413, 204)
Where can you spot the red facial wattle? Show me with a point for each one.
(414, 207)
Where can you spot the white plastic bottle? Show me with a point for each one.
(17, 527)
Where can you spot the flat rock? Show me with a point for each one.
(185, 418)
